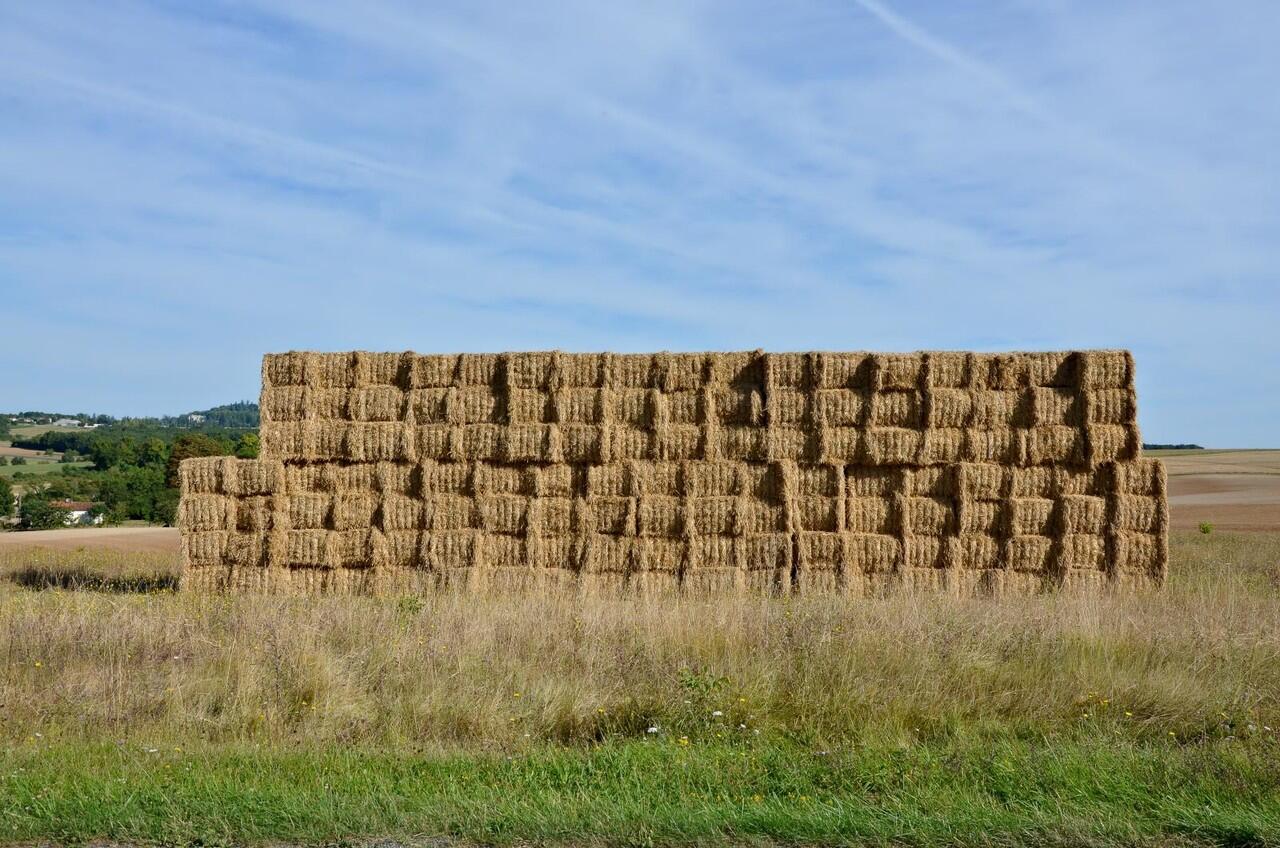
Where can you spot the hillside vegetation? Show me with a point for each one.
(126, 467)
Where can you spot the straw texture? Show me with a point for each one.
(855, 473)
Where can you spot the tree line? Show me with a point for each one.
(133, 477)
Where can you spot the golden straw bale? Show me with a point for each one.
(201, 475)
(252, 476)
(376, 403)
(1014, 583)
(892, 445)
(199, 513)
(1084, 551)
(981, 517)
(325, 403)
(204, 548)
(381, 369)
(324, 440)
(310, 510)
(1105, 369)
(245, 550)
(329, 370)
(1029, 553)
(974, 551)
(256, 514)
(307, 548)
(1140, 513)
(434, 370)
(1082, 514)
(283, 369)
(282, 403)
(923, 552)
(1052, 370)
(353, 510)
(941, 447)
(1032, 516)
(1112, 442)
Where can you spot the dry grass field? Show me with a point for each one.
(452, 670)
(132, 712)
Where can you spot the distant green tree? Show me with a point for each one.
(127, 451)
(100, 510)
(191, 445)
(165, 508)
(104, 453)
(38, 514)
(133, 492)
(72, 488)
(19, 460)
(4, 460)
(6, 498)
(153, 452)
(248, 446)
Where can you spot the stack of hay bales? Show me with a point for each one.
(853, 473)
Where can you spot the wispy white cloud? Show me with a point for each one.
(992, 78)
(183, 187)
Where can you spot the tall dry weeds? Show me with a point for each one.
(1202, 656)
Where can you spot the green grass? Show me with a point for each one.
(27, 431)
(42, 465)
(965, 789)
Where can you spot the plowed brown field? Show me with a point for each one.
(1232, 490)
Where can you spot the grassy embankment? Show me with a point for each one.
(1125, 720)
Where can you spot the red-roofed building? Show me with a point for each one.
(78, 512)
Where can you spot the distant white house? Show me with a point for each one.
(67, 422)
(78, 512)
(196, 418)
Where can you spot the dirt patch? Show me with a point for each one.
(163, 539)
(1228, 501)
(8, 450)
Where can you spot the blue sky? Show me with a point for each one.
(185, 186)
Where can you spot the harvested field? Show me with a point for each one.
(123, 539)
(1182, 463)
(8, 450)
(1232, 490)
